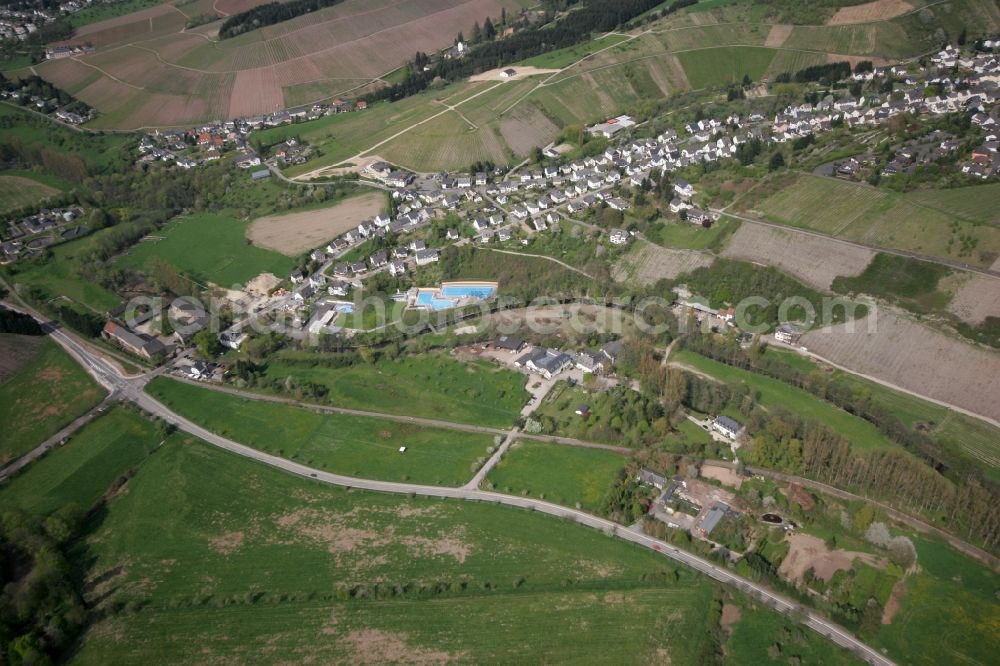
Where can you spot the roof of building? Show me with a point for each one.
(713, 517)
(728, 423)
(508, 342)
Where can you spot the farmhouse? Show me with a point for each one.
(788, 333)
(727, 426)
(136, 343)
(590, 361)
(546, 362)
(712, 518)
(508, 73)
(618, 236)
(612, 126)
(651, 478)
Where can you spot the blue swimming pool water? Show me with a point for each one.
(467, 291)
(426, 298)
(344, 307)
(449, 295)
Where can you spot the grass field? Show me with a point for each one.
(83, 469)
(273, 553)
(567, 475)
(44, 395)
(685, 236)
(563, 57)
(950, 600)
(718, 66)
(772, 393)
(18, 192)
(102, 12)
(352, 445)
(976, 203)
(207, 248)
(429, 385)
(751, 639)
(878, 217)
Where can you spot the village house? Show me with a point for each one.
(139, 344)
(727, 426)
(546, 362)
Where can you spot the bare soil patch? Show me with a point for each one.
(521, 72)
(723, 475)
(16, 351)
(814, 260)
(648, 263)
(808, 551)
(451, 546)
(891, 347)
(374, 646)
(227, 543)
(262, 284)
(294, 233)
(778, 34)
(731, 614)
(976, 298)
(871, 11)
(895, 601)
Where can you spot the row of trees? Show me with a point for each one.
(964, 503)
(15, 322)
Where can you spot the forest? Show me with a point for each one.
(575, 27)
(41, 611)
(269, 14)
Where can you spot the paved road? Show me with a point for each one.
(780, 603)
(131, 388)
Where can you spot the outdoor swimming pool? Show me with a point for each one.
(451, 294)
(427, 299)
(458, 290)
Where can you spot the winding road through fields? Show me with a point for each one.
(131, 388)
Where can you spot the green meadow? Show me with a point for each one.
(352, 445)
(82, 470)
(208, 248)
(45, 394)
(567, 475)
(428, 385)
(211, 557)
